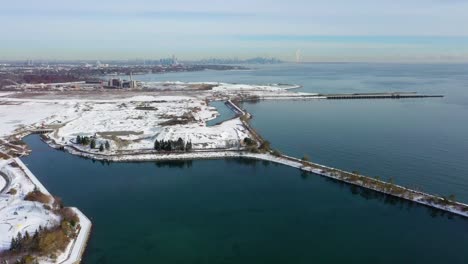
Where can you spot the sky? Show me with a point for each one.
(329, 30)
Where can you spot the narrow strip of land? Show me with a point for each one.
(397, 95)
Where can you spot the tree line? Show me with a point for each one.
(172, 145)
(85, 140)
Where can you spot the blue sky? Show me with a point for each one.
(331, 30)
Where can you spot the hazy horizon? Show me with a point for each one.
(331, 31)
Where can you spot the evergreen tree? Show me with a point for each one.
(84, 140)
(13, 243)
(19, 239)
(93, 143)
(265, 145)
(157, 145)
(107, 145)
(171, 145)
(78, 139)
(189, 146)
(180, 144)
(101, 148)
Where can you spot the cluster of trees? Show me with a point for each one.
(45, 241)
(19, 242)
(171, 145)
(252, 145)
(249, 142)
(106, 146)
(85, 140)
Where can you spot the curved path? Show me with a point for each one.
(6, 183)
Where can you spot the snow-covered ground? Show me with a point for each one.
(6, 93)
(135, 122)
(14, 115)
(226, 135)
(20, 216)
(3, 183)
(135, 125)
(16, 214)
(226, 90)
(131, 124)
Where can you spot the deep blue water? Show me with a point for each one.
(240, 211)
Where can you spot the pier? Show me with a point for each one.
(236, 109)
(395, 95)
(41, 131)
(373, 184)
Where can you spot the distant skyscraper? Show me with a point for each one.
(174, 60)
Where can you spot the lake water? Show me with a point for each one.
(225, 113)
(240, 211)
(234, 211)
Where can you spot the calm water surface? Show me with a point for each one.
(225, 113)
(238, 211)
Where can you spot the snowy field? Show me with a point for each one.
(135, 125)
(132, 123)
(6, 93)
(226, 135)
(16, 214)
(229, 90)
(14, 115)
(20, 216)
(3, 183)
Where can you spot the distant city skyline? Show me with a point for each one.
(317, 31)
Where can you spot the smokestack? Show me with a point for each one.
(298, 56)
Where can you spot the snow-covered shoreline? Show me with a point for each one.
(75, 250)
